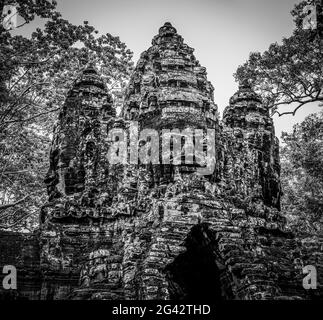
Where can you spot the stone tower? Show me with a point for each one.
(74, 156)
(251, 123)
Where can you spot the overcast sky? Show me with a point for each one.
(223, 33)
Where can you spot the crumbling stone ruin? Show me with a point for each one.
(135, 230)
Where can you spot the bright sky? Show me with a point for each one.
(223, 33)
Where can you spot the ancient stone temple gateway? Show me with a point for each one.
(162, 231)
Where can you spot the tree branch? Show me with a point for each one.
(33, 117)
(299, 106)
(16, 222)
(10, 205)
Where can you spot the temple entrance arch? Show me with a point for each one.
(198, 273)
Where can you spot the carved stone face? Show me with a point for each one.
(169, 72)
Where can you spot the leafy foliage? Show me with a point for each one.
(289, 73)
(302, 173)
(35, 74)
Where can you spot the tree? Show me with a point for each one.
(290, 73)
(302, 173)
(35, 75)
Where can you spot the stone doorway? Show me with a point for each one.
(197, 273)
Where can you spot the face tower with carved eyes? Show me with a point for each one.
(169, 90)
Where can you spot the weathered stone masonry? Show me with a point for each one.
(161, 231)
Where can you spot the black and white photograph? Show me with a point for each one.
(164, 157)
